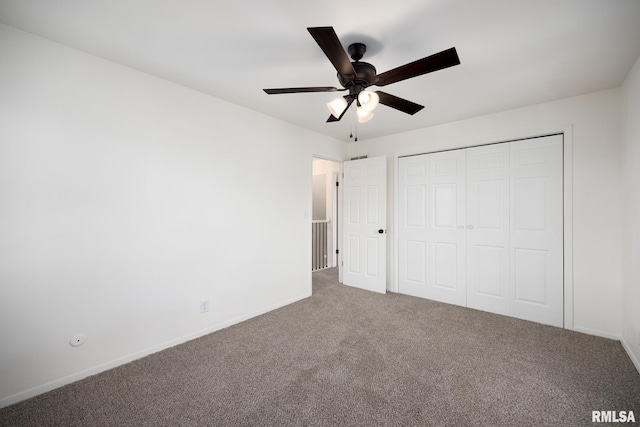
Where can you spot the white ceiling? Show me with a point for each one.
(512, 53)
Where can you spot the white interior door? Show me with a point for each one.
(431, 227)
(365, 224)
(536, 270)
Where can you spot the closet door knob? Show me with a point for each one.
(460, 227)
(470, 227)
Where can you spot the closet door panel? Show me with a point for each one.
(488, 228)
(431, 226)
(445, 237)
(536, 267)
(413, 219)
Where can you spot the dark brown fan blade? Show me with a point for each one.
(446, 58)
(349, 99)
(328, 41)
(301, 90)
(399, 103)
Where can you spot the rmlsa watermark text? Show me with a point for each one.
(613, 417)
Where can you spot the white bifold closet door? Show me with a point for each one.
(482, 227)
(432, 249)
(487, 229)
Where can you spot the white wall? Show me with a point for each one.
(631, 242)
(593, 124)
(125, 200)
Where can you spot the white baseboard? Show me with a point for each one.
(626, 346)
(43, 388)
(632, 356)
(597, 333)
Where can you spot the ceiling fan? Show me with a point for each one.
(356, 76)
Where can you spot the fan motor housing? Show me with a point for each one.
(365, 74)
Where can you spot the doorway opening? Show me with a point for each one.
(324, 224)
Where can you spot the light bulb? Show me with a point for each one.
(368, 100)
(364, 115)
(337, 106)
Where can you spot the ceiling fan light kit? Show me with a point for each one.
(356, 76)
(364, 115)
(337, 107)
(368, 100)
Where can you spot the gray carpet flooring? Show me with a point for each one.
(355, 358)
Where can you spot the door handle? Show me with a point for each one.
(381, 231)
(470, 227)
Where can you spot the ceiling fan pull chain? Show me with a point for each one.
(351, 129)
(355, 122)
(356, 126)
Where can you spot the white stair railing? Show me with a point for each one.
(320, 251)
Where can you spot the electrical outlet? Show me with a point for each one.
(204, 306)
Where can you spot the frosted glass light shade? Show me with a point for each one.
(337, 106)
(368, 100)
(364, 115)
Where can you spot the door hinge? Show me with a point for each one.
(337, 184)
(337, 251)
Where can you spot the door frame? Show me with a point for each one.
(567, 173)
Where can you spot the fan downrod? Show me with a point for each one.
(357, 51)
